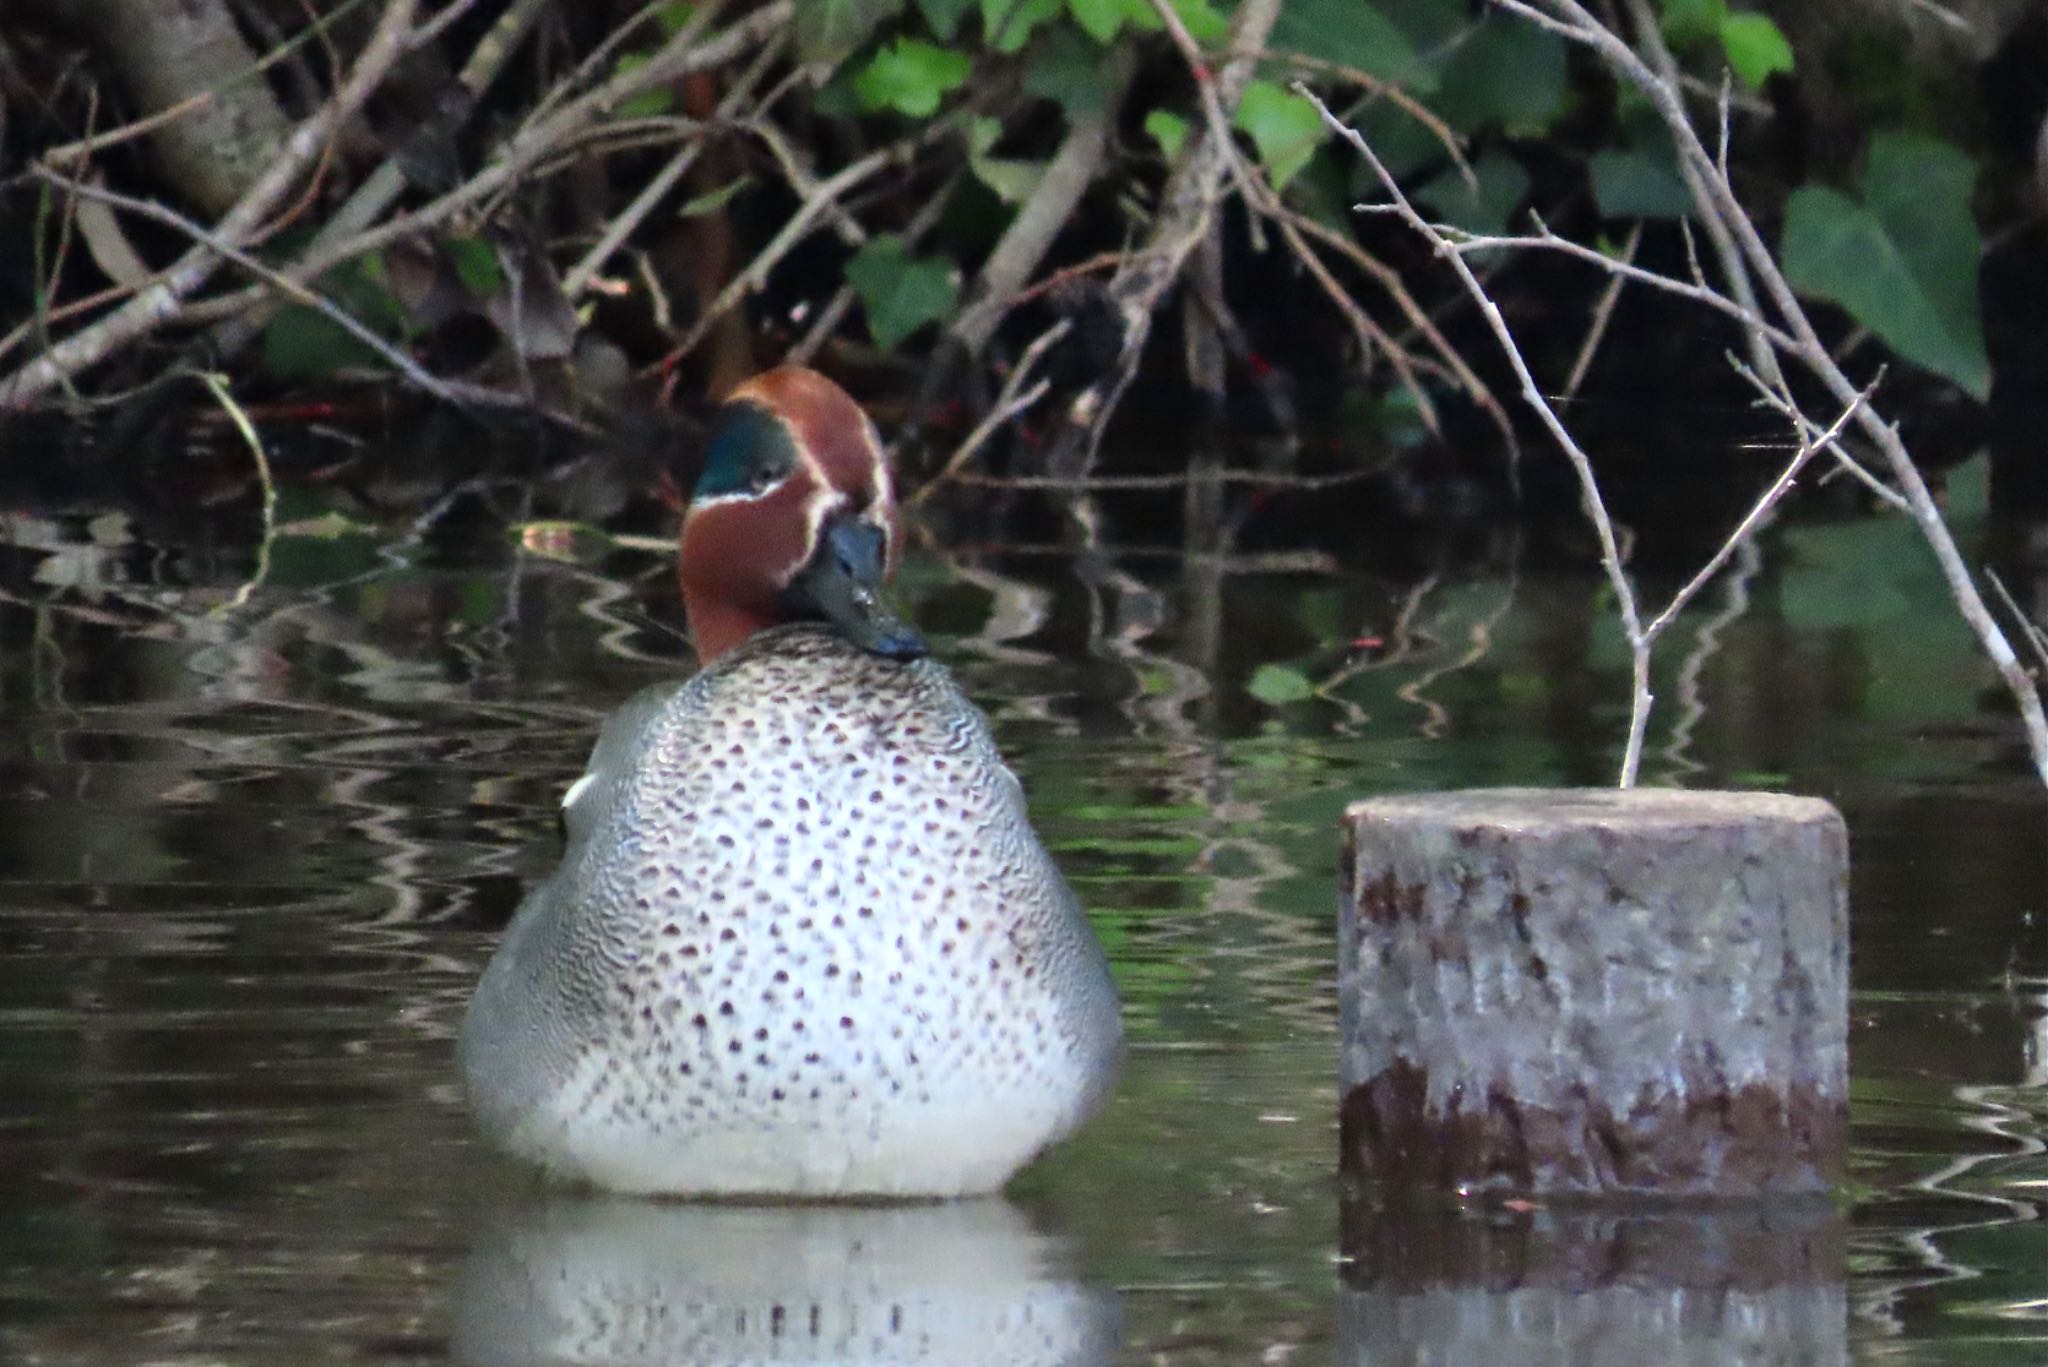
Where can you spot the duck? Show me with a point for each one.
(803, 941)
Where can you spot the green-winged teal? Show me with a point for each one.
(803, 940)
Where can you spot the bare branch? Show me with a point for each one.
(1582, 466)
(1581, 27)
(1760, 510)
(634, 214)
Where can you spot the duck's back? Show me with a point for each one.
(802, 941)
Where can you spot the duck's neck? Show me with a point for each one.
(717, 625)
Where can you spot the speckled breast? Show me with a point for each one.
(803, 938)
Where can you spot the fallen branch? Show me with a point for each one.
(540, 140)
(228, 251)
(151, 307)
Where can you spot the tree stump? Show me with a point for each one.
(1595, 992)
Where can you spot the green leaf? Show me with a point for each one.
(1509, 72)
(1006, 25)
(1689, 22)
(673, 17)
(1011, 178)
(1285, 128)
(1066, 69)
(943, 16)
(900, 292)
(1345, 32)
(302, 343)
(829, 31)
(1756, 48)
(1203, 21)
(1169, 130)
(1483, 207)
(1278, 685)
(711, 201)
(1639, 183)
(1100, 19)
(911, 77)
(1903, 262)
(648, 104)
(476, 261)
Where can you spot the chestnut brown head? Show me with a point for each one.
(793, 519)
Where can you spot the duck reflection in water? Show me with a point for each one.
(604, 1280)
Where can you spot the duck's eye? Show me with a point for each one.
(763, 479)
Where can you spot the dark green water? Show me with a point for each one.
(260, 818)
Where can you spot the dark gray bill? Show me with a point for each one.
(843, 584)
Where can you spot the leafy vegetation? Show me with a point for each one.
(975, 102)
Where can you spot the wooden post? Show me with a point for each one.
(1595, 992)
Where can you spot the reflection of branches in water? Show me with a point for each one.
(1182, 758)
(1018, 610)
(1400, 648)
(607, 595)
(1187, 750)
(2013, 1115)
(1692, 703)
(1412, 639)
(1291, 951)
(2019, 1128)
(246, 658)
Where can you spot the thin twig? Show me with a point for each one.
(1603, 314)
(1758, 511)
(1186, 206)
(627, 220)
(86, 146)
(1266, 479)
(1806, 428)
(1581, 27)
(1418, 317)
(1392, 92)
(786, 239)
(1713, 210)
(829, 318)
(219, 385)
(1013, 400)
(1546, 240)
(2035, 636)
(678, 57)
(1372, 338)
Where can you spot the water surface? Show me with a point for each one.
(264, 809)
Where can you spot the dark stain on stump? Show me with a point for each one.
(1708, 1139)
(1385, 900)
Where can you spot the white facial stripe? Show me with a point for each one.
(576, 790)
(736, 496)
(824, 502)
(881, 492)
(742, 495)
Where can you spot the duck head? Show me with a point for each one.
(792, 520)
